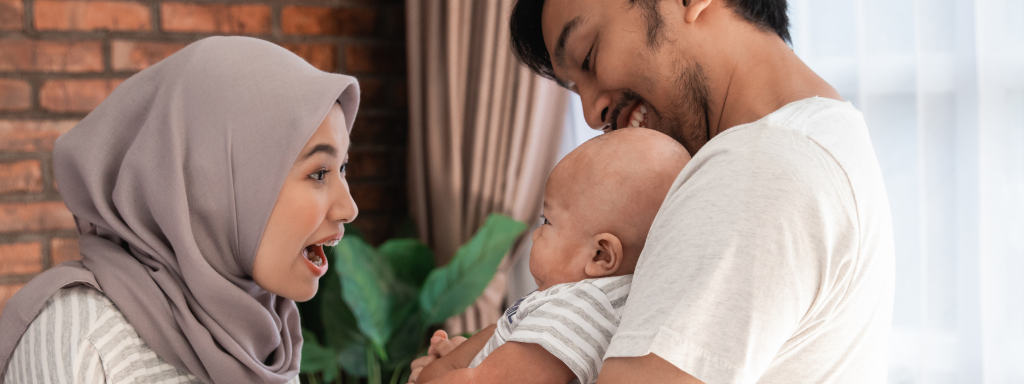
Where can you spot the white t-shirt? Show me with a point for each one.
(771, 259)
(572, 321)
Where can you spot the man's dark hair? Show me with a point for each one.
(528, 39)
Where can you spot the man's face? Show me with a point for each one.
(628, 62)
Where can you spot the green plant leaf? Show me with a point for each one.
(369, 287)
(374, 368)
(410, 259)
(317, 358)
(340, 328)
(406, 341)
(452, 288)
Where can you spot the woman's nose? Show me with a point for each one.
(343, 207)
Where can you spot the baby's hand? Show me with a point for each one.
(440, 346)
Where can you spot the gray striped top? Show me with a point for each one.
(81, 337)
(572, 321)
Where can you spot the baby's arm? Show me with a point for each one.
(512, 362)
(458, 358)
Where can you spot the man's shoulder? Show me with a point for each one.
(811, 143)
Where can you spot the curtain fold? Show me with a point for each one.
(483, 132)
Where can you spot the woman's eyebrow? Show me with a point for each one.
(325, 148)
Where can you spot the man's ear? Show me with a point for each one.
(694, 9)
(607, 259)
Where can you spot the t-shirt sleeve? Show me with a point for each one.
(575, 327)
(735, 258)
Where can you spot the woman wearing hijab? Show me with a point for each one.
(204, 188)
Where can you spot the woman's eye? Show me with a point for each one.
(343, 166)
(319, 175)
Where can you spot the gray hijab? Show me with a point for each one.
(171, 181)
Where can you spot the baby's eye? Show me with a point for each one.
(319, 175)
(546, 222)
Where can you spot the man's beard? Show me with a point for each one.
(686, 117)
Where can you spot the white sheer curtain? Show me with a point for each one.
(941, 85)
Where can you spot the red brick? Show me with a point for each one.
(372, 93)
(395, 22)
(15, 95)
(378, 59)
(378, 129)
(368, 164)
(31, 135)
(21, 258)
(298, 20)
(375, 228)
(12, 13)
(50, 56)
(91, 16)
(322, 56)
(215, 18)
(401, 94)
(75, 95)
(63, 249)
(6, 291)
(376, 197)
(128, 55)
(41, 216)
(21, 176)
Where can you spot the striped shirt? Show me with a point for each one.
(81, 337)
(572, 321)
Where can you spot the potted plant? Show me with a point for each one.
(374, 308)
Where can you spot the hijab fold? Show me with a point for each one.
(172, 180)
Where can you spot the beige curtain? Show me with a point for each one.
(483, 131)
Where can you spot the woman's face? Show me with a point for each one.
(313, 206)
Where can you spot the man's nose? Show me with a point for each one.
(596, 106)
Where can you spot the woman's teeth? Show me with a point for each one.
(312, 256)
(330, 243)
(639, 117)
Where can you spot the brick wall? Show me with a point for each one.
(60, 58)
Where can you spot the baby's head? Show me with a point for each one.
(599, 204)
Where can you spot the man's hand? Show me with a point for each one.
(643, 370)
(440, 346)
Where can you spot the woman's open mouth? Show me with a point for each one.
(315, 258)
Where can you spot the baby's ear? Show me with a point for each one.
(607, 258)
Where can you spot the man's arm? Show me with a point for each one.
(458, 358)
(513, 363)
(642, 370)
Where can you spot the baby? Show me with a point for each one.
(599, 203)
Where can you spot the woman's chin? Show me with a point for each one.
(300, 295)
(293, 290)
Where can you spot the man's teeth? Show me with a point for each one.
(638, 117)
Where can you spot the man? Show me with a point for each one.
(771, 259)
